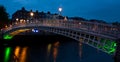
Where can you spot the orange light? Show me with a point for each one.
(31, 14)
(55, 50)
(6, 26)
(23, 54)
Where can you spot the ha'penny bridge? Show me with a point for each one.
(104, 37)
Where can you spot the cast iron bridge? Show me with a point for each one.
(98, 35)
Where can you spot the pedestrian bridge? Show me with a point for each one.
(98, 35)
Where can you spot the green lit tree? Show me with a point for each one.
(4, 20)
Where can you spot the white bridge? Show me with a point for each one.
(98, 35)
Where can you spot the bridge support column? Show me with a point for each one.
(117, 53)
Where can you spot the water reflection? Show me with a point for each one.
(80, 50)
(23, 54)
(19, 54)
(49, 49)
(7, 54)
(16, 54)
(55, 50)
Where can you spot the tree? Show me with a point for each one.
(3, 16)
(116, 23)
(48, 12)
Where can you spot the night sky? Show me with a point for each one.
(108, 10)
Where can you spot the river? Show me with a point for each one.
(49, 49)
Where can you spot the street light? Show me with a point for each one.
(60, 10)
(17, 19)
(31, 14)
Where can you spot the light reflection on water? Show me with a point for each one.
(16, 53)
(49, 49)
(20, 54)
(54, 52)
(7, 54)
(23, 54)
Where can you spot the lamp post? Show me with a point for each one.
(31, 15)
(17, 21)
(60, 10)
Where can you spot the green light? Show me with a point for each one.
(7, 54)
(113, 48)
(7, 37)
(107, 46)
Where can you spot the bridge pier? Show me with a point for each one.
(117, 53)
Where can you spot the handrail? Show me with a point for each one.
(99, 28)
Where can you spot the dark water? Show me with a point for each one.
(49, 49)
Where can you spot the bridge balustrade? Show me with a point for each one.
(99, 28)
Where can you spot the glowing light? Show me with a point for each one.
(17, 19)
(6, 26)
(60, 9)
(7, 54)
(109, 46)
(21, 20)
(55, 50)
(35, 30)
(17, 50)
(23, 54)
(79, 23)
(7, 37)
(49, 48)
(31, 14)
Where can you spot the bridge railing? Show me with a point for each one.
(98, 28)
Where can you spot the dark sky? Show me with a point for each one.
(108, 10)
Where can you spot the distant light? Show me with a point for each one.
(79, 23)
(32, 29)
(27, 20)
(21, 20)
(60, 9)
(17, 19)
(35, 30)
(6, 26)
(31, 14)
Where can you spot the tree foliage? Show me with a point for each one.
(116, 23)
(3, 16)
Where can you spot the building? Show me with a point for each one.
(24, 15)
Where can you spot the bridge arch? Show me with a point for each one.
(101, 42)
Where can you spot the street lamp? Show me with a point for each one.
(60, 10)
(31, 14)
(17, 19)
